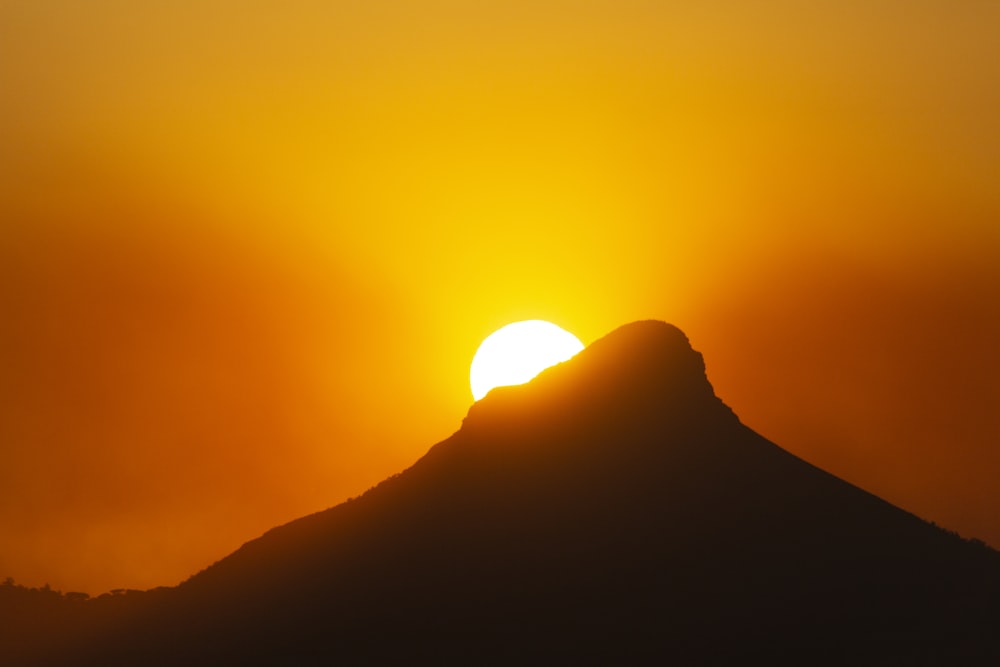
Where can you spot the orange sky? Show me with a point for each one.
(248, 251)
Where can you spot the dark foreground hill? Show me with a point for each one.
(612, 511)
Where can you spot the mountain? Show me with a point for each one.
(611, 511)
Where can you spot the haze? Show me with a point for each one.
(233, 238)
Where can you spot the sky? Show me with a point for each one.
(248, 250)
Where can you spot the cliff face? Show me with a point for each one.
(612, 510)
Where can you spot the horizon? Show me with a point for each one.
(235, 239)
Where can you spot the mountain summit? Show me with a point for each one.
(611, 511)
(638, 367)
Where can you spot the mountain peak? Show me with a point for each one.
(645, 367)
(650, 350)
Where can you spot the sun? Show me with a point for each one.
(518, 352)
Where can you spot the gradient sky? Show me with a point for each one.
(247, 250)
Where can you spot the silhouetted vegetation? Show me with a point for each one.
(40, 625)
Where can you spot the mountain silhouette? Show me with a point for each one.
(611, 511)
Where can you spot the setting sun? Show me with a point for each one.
(518, 352)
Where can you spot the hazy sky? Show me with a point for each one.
(247, 250)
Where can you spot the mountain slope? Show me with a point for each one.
(613, 510)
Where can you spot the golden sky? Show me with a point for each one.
(247, 250)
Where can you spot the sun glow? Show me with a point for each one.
(518, 352)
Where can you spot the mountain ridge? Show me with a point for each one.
(614, 509)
